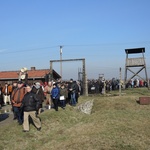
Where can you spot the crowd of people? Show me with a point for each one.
(136, 83)
(27, 99)
(98, 86)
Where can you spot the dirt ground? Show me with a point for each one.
(6, 115)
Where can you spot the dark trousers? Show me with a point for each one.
(19, 114)
(15, 116)
(62, 103)
(73, 99)
(77, 96)
(55, 101)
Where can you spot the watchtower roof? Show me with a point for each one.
(135, 50)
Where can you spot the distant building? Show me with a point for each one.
(41, 75)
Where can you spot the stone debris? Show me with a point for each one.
(86, 107)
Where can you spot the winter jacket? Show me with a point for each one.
(9, 90)
(64, 92)
(17, 96)
(73, 87)
(55, 93)
(30, 102)
(40, 94)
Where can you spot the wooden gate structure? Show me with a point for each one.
(135, 62)
(84, 77)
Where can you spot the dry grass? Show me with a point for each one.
(116, 123)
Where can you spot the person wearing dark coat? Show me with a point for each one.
(30, 105)
(37, 89)
(73, 89)
(14, 89)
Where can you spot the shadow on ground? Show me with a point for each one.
(4, 116)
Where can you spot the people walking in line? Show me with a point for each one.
(78, 90)
(73, 90)
(16, 99)
(1, 97)
(55, 94)
(37, 89)
(63, 96)
(6, 94)
(47, 90)
(30, 106)
(14, 88)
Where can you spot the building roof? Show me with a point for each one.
(33, 73)
(135, 50)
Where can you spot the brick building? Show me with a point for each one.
(40, 75)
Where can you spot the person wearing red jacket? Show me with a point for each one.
(16, 100)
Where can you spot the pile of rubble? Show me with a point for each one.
(86, 107)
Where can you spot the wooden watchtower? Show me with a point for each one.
(135, 62)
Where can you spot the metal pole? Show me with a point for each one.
(61, 61)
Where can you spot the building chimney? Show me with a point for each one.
(33, 68)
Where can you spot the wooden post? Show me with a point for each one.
(51, 71)
(120, 83)
(84, 79)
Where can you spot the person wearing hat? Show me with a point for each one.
(30, 106)
(16, 100)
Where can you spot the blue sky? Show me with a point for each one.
(32, 31)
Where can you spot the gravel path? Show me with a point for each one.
(6, 115)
